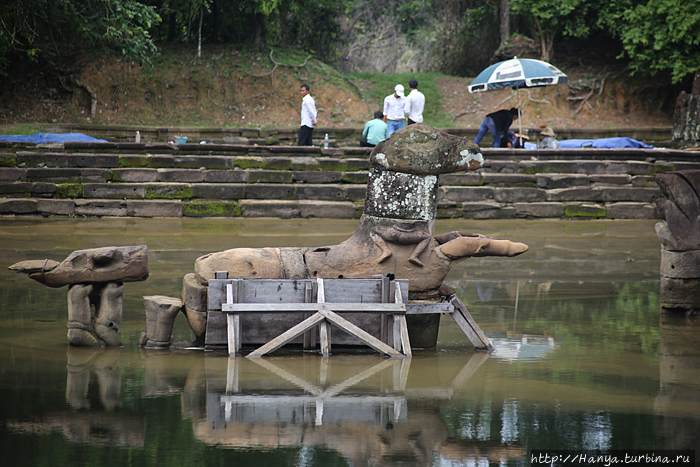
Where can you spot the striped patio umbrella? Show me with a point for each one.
(517, 73)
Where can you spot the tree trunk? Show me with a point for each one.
(504, 21)
(201, 20)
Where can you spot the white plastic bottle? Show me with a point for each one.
(138, 137)
(325, 142)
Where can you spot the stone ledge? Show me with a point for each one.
(160, 208)
(332, 209)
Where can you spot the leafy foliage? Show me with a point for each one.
(656, 35)
(56, 32)
(662, 35)
(549, 19)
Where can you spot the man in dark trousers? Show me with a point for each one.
(308, 116)
(497, 123)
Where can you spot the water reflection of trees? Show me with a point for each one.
(617, 315)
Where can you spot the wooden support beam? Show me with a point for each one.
(288, 335)
(324, 331)
(233, 321)
(390, 308)
(364, 336)
(310, 335)
(400, 323)
(468, 325)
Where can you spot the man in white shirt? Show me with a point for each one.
(308, 116)
(394, 110)
(415, 102)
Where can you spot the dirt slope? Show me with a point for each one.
(230, 88)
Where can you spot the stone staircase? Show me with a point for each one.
(229, 180)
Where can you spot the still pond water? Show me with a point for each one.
(583, 360)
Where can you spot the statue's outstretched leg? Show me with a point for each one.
(381, 244)
(420, 248)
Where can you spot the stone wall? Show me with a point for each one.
(225, 180)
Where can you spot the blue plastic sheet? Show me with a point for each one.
(45, 138)
(604, 143)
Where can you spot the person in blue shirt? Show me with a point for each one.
(374, 132)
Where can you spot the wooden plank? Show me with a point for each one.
(288, 335)
(385, 331)
(393, 308)
(428, 308)
(402, 325)
(293, 290)
(364, 336)
(229, 293)
(273, 291)
(321, 291)
(310, 335)
(403, 333)
(323, 328)
(325, 337)
(233, 329)
(468, 325)
(216, 329)
(395, 334)
(217, 293)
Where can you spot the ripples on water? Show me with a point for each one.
(583, 360)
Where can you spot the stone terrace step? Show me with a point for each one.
(156, 180)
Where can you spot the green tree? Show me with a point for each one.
(549, 19)
(657, 36)
(56, 32)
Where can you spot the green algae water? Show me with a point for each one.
(583, 360)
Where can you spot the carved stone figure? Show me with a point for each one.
(95, 279)
(679, 234)
(396, 233)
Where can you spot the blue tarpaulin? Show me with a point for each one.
(600, 143)
(44, 138)
(609, 143)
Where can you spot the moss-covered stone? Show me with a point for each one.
(585, 211)
(211, 209)
(277, 163)
(358, 178)
(130, 161)
(661, 169)
(532, 170)
(8, 160)
(248, 162)
(449, 212)
(333, 165)
(69, 190)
